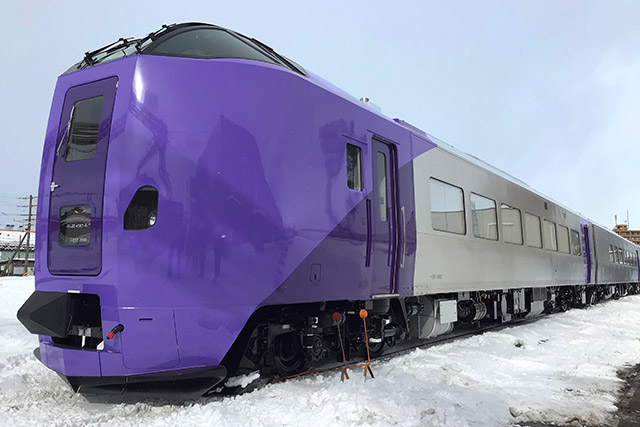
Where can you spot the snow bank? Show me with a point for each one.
(560, 369)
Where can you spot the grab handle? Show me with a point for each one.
(367, 258)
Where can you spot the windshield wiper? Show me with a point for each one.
(281, 58)
(90, 57)
(153, 36)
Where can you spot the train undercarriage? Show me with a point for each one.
(286, 340)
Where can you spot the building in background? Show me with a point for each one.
(14, 250)
(632, 235)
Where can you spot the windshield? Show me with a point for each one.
(189, 40)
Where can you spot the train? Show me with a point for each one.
(208, 208)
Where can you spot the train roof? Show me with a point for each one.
(192, 40)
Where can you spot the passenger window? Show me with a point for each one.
(511, 224)
(84, 127)
(447, 207)
(563, 239)
(576, 246)
(142, 212)
(550, 239)
(75, 226)
(612, 257)
(382, 186)
(483, 216)
(354, 167)
(532, 229)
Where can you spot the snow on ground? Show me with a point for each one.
(559, 369)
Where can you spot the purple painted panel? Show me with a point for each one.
(200, 332)
(384, 218)
(149, 338)
(71, 362)
(77, 187)
(249, 166)
(586, 250)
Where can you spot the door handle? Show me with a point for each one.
(367, 258)
(392, 237)
(404, 237)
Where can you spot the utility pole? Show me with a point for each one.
(26, 255)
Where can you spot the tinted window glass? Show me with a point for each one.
(576, 247)
(83, 129)
(447, 207)
(550, 239)
(354, 167)
(75, 226)
(382, 186)
(532, 227)
(563, 239)
(483, 215)
(208, 43)
(142, 212)
(511, 224)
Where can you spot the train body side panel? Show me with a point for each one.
(612, 267)
(448, 262)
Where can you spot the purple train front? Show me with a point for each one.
(206, 206)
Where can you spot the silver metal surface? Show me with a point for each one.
(448, 262)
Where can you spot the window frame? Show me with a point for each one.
(495, 215)
(568, 239)
(359, 165)
(464, 208)
(382, 181)
(70, 151)
(553, 229)
(573, 233)
(612, 256)
(539, 231)
(509, 207)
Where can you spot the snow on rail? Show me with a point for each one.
(560, 369)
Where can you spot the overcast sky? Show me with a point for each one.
(548, 91)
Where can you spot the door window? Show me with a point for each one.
(576, 246)
(75, 226)
(382, 186)
(84, 129)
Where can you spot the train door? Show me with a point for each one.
(385, 230)
(586, 252)
(74, 237)
(638, 265)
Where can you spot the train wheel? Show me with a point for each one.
(375, 349)
(289, 356)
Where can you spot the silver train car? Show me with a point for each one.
(479, 228)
